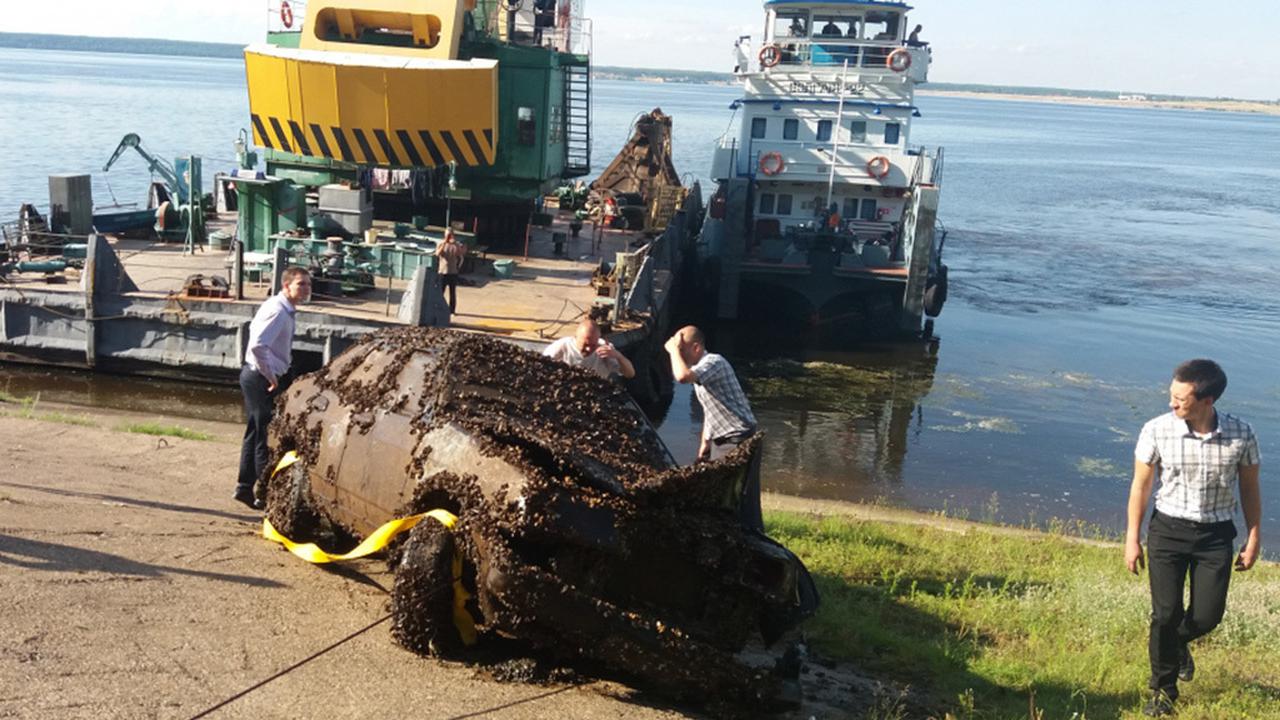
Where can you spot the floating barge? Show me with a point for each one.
(517, 80)
(138, 306)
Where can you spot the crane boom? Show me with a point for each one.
(155, 165)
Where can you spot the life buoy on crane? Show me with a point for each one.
(770, 55)
(899, 60)
(771, 163)
(878, 166)
(286, 14)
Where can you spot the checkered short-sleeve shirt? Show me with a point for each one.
(1198, 477)
(725, 410)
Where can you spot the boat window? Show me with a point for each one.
(369, 27)
(858, 131)
(784, 204)
(891, 133)
(792, 23)
(526, 126)
(850, 209)
(758, 126)
(830, 26)
(881, 26)
(790, 129)
(868, 209)
(766, 203)
(824, 130)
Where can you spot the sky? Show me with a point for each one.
(1154, 46)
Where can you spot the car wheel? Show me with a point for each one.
(422, 597)
(289, 505)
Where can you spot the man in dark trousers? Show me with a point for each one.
(727, 420)
(265, 375)
(1200, 457)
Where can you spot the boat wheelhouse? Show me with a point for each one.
(820, 191)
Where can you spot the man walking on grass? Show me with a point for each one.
(1199, 456)
(265, 375)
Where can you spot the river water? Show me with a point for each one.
(1091, 249)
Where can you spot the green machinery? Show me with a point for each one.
(184, 215)
(527, 89)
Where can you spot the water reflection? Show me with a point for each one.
(135, 394)
(839, 427)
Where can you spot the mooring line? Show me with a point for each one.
(292, 667)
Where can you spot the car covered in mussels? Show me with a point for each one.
(577, 531)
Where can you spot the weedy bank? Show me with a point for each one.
(988, 623)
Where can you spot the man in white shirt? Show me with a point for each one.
(1200, 457)
(265, 375)
(586, 349)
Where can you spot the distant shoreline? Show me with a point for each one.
(1240, 106)
(1097, 98)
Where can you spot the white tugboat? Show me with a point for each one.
(824, 208)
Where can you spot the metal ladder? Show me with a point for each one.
(577, 107)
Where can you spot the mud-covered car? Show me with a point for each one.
(578, 533)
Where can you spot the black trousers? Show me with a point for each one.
(258, 407)
(749, 506)
(1177, 548)
(450, 283)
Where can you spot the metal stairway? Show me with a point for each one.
(577, 121)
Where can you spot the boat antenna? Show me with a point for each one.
(835, 144)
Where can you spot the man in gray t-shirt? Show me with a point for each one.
(727, 420)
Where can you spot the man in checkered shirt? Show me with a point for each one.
(1200, 456)
(727, 420)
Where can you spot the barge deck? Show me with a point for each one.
(128, 309)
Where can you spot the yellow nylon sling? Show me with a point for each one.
(377, 540)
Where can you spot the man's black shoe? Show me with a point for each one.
(246, 497)
(1186, 665)
(1160, 705)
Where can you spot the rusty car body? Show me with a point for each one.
(579, 534)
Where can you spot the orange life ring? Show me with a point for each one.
(899, 60)
(770, 55)
(286, 14)
(771, 163)
(878, 166)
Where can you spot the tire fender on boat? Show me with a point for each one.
(286, 14)
(935, 292)
(899, 60)
(877, 167)
(771, 163)
(770, 55)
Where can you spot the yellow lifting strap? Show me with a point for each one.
(378, 540)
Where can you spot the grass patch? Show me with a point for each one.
(29, 413)
(167, 431)
(1000, 625)
(9, 398)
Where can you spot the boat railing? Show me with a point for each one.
(815, 158)
(918, 170)
(935, 177)
(834, 51)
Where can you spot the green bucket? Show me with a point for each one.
(504, 268)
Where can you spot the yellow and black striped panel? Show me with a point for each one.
(375, 146)
(374, 112)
